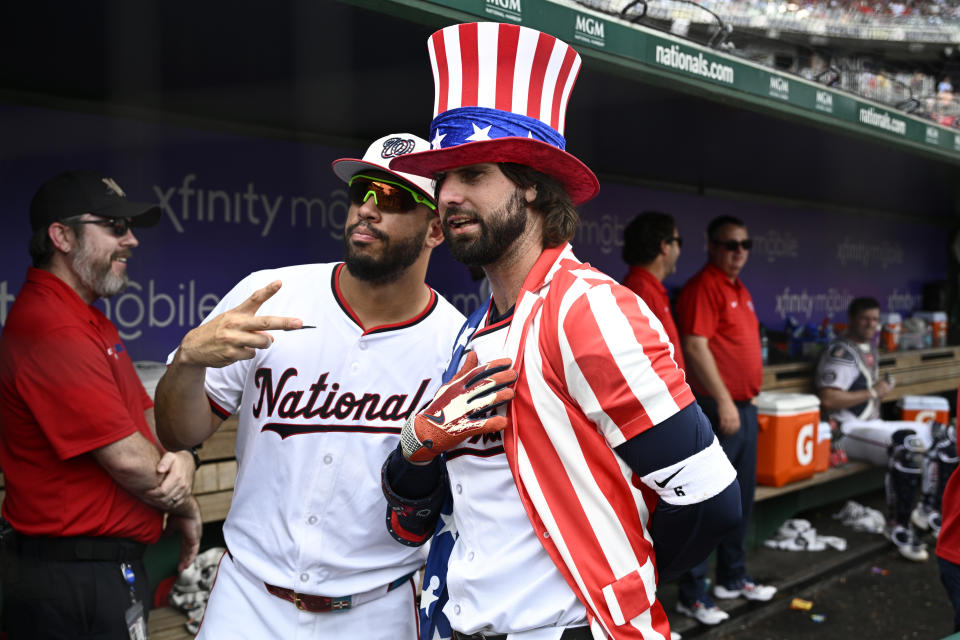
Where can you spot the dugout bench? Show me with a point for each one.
(921, 372)
(928, 371)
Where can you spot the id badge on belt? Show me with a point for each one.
(133, 616)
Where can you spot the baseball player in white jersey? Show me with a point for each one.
(322, 364)
(607, 476)
(850, 390)
(847, 376)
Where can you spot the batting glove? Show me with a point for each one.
(454, 413)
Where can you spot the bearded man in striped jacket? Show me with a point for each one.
(606, 476)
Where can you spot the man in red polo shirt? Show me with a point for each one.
(651, 246)
(86, 484)
(721, 342)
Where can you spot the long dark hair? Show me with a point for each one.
(560, 217)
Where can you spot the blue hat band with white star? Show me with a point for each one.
(473, 124)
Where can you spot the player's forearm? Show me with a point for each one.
(684, 535)
(183, 414)
(700, 361)
(412, 480)
(833, 399)
(699, 498)
(414, 495)
(150, 416)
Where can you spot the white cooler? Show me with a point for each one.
(924, 409)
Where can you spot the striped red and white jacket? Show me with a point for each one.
(595, 369)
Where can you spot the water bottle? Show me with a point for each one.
(764, 345)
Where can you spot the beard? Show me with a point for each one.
(96, 273)
(397, 256)
(497, 233)
(673, 267)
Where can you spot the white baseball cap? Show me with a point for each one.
(378, 156)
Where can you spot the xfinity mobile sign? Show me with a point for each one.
(235, 204)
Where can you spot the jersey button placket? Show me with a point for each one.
(315, 505)
(358, 356)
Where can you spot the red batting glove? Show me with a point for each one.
(452, 415)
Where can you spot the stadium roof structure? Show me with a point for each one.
(816, 20)
(649, 108)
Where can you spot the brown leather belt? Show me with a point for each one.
(322, 604)
(307, 602)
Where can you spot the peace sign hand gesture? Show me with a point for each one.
(235, 334)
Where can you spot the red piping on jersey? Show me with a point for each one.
(338, 295)
(222, 413)
(490, 328)
(287, 429)
(477, 453)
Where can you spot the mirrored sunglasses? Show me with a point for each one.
(389, 196)
(733, 245)
(119, 226)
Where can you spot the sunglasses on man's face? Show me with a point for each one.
(389, 196)
(676, 239)
(119, 226)
(733, 245)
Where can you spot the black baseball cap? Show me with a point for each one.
(74, 193)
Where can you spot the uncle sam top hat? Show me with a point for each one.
(501, 96)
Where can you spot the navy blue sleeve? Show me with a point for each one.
(683, 535)
(414, 495)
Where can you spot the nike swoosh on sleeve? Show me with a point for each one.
(668, 478)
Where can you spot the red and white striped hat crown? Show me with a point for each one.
(501, 96)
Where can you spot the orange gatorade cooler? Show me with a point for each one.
(787, 444)
(924, 409)
(821, 454)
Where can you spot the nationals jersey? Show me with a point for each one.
(494, 537)
(319, 411)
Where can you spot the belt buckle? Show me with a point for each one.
(297, 602)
